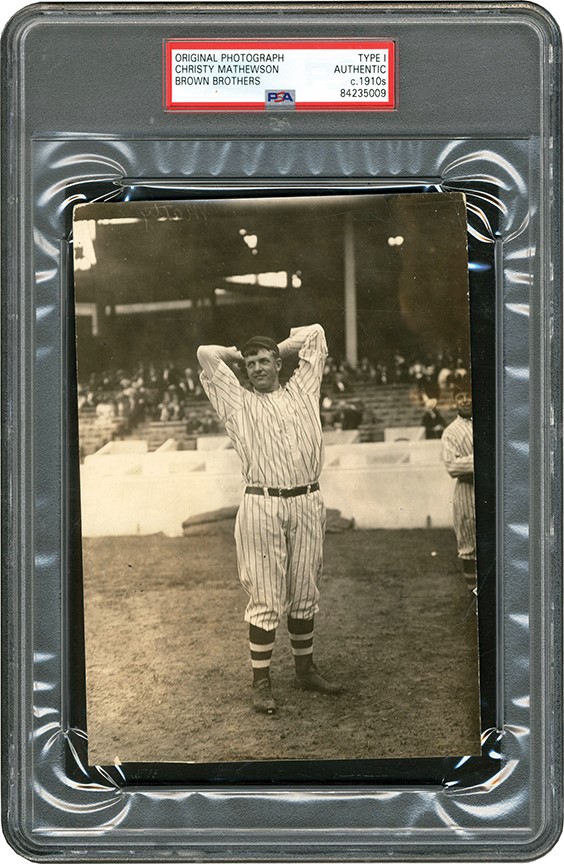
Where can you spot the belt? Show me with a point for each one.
(281, 493)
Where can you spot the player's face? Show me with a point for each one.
(263, 368)
(463, 402)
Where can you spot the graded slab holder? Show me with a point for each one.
(440, 133)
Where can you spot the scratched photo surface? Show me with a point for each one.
(169, 665)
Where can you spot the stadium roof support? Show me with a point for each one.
(351, 323)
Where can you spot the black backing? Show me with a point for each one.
(457, 770)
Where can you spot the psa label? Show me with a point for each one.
(280, 99)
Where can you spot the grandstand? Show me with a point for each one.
(382, 407)
(95, 431)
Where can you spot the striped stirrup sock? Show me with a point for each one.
(261, 645)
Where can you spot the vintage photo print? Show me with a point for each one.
(277, 478)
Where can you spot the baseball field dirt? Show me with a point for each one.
(168, 672)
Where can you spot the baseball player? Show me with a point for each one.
(458, 456)
(280, 526)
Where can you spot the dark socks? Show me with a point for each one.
(469, 569)
(301, 637)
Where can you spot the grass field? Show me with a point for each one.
(168, 673)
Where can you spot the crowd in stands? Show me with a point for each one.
(432, 376)
(153, 392)
(149, 393)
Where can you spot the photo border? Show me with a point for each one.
(460, 770)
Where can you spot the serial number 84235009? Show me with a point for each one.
(363, 93)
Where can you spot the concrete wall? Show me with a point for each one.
(379, 485)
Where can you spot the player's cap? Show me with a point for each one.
(255, 343)
(462, 384)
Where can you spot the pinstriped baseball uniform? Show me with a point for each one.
(458, 456)
(279, 440)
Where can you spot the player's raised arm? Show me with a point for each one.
(220, 383)
(210, 356)
(311, 335)
(309, 344)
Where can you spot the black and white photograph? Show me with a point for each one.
(277, 499)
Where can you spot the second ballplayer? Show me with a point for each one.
(458, 456)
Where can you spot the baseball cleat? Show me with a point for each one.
(262, 697)
(312, 680)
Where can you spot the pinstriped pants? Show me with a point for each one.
(280, 556)
(464, 518)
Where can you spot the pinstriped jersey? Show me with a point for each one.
(458, 456)
(277, 435)
(458, 447)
